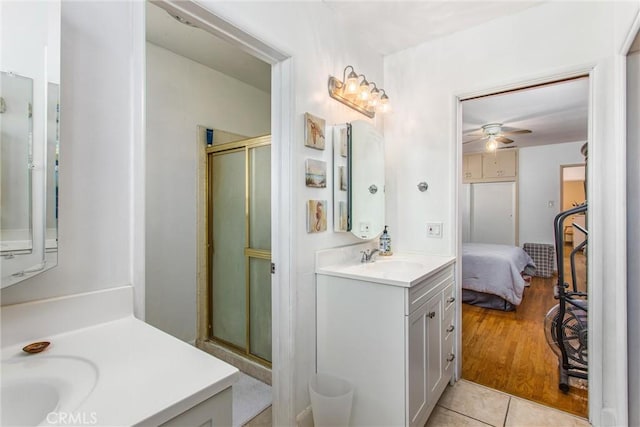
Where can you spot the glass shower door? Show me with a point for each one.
(240, 246)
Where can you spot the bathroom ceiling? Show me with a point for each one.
(390, 26)
(206, 49)
(398, 25)
(555, 113)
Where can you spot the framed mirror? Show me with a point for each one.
(358, 179)
(29, 138)
(16, 130)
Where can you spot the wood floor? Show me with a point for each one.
(508, 351)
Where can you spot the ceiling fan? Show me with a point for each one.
(494, 133)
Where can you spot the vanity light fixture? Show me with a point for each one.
(360, 95)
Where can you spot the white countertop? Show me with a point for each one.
(403, 269)
(144, 376)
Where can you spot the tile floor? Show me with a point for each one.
(470, 404)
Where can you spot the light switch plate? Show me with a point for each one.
(434, 229)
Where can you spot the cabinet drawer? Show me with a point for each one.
(448, 354)
(449, 298)
(423, 291)
(448, 326)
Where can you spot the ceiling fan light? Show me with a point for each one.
(491, 145)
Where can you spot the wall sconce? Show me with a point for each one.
(360, 95)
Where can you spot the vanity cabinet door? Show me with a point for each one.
(213, 412)
(434, 343)
(417, 366)
(425, 358)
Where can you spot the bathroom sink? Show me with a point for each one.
(27, 403)
(386, 267)
(400, 269)
(394, 266)
(33, 386)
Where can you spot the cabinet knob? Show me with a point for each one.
(431, 314)
(450, 357)
(450, 328)
(450, 300)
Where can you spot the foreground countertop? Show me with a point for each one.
(142, 375)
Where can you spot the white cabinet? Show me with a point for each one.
(394, 344)
(471, 167)
(213, 412)
(500, 164)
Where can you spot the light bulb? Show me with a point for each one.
(383, 105)
(374, 97)
(351, 84)
(363, 90)
(491, 145)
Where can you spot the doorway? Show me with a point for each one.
(573, 190)
(177, 299)
(508, 349)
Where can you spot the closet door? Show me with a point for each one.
(493, 213)
(465, 207)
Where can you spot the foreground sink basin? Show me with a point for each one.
(32, 386)
(27, 403)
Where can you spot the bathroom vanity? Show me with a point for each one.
(388, 328)
(104, 367)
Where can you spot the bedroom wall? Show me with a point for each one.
(182, 94)
(427, 80)
(538, 185)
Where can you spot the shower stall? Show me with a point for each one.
(239, 247)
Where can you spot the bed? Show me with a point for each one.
(492, 275)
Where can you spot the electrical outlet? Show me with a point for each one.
(434, 229)
(365, 227)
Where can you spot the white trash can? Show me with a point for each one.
(331, 400)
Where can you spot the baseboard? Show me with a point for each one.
(305, 418)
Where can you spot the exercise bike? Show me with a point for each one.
(566, 324)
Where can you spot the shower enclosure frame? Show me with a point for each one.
(245, 146)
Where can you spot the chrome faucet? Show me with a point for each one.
(367, 256)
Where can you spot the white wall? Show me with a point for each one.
(539, 184)
(540, 42)
(97, 155)
(319, 46)
(633, 231)
(182, 94)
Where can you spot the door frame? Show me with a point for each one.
(282, 107)
(595, 381)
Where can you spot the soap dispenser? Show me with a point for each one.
(385, 242)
